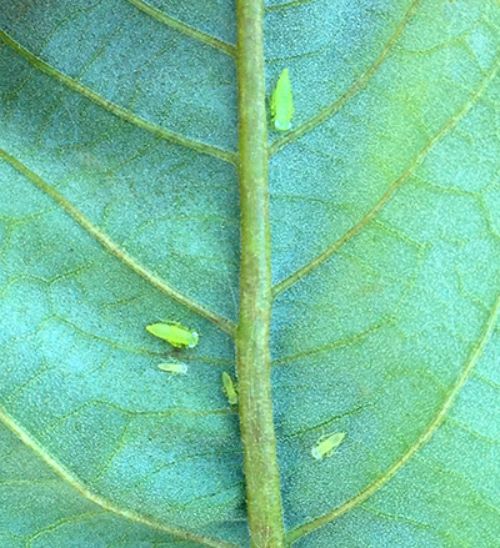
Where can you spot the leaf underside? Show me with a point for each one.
(119, 208)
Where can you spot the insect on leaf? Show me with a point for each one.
(327, 445)
(282, 102)
(174, 333)
(229, 388)
(176, 368)
(376, 214)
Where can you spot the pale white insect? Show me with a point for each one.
(326, 445)
(175, 368)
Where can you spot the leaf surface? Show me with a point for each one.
(119, 208)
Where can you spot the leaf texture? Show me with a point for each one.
(119, 207)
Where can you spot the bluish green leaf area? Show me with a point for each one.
(119, 208)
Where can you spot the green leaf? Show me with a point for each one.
(119, 208)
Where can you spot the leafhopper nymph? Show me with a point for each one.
(282, 108)
(174, 333)
(326, 445)
(229, 389)
(175, 368)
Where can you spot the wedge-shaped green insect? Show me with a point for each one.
(282, 102)
(326, 445)
(229, 388)
(176, 368)
(174, 333)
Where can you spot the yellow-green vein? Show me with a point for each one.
(292, 4)
(54, 526)
(389, 193)
(183, 28)
(260, 458)
(113, 108)
(358, 85)
(472, 359)
(110, 246)
(69, 478)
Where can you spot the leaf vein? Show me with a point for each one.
(360, 83)
(389, 193)
(464, 375)
(51, 528)
(187, 30)
(109, 245)
(66, 475)
(113, 108)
